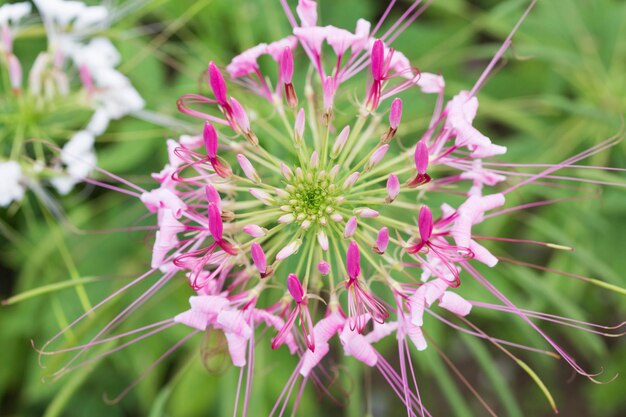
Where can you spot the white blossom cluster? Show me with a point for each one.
(74, 47)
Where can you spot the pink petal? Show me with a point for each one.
(210, 139)
(362, 33)
(481, 254)
(311, 36)
(355, 344)
(278, 324)
(212, 195)
(307, 12)
(433, 290)
(215, 222)
(431, 83)
(218, 85)
(381, 330)
(277, 48)
(425, 223)
(174, 159)
(417, 304)
(295, 288)
(377, 59)
(340, 39)
(194, 319)
(310, 359)
(258, 257)
(417, 337)
(237, 349)
(160, 249)
(286, 65)
(455, 304)
(162, 198)
(232, 321)
(246, 62)
(421, 157)
(329, 89)
(395, 113)
(328, 327)
(210, 304)
(353, 260)
(169, 226)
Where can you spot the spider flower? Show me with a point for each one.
(306, 210)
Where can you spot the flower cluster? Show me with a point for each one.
(77, 72)
(305, 219)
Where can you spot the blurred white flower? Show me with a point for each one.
(11, 187)
(13, 13)
(67, 21)
(72, 49)
(79, 158)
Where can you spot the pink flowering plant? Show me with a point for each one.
(296, 211)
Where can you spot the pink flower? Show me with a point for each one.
(446, 253)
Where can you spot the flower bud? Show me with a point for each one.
(349, 182)
(350, 227)
(255, 230)
(340, 142)
(289, 250)
(299, 128)
(248, 169)
(377, 156)
(366, 212)
(393, 188)
(382, 241)
(323, 267)
(322, 239)
(262, 196)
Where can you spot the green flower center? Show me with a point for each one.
(313, 198)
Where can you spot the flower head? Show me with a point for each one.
(330, 223)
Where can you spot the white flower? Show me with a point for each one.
(79, 158)
(114, 95)
(98, 53)
(11, 187)
(66, 21)
(10, 14)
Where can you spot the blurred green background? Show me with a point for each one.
(561, 90)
